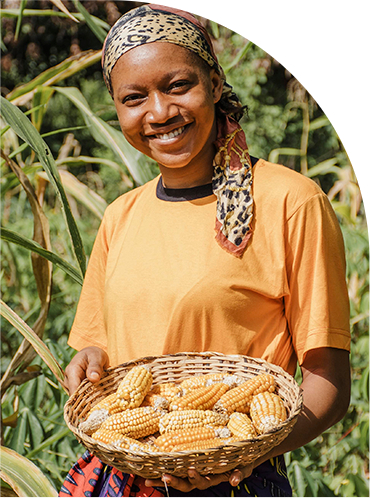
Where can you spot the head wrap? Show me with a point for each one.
(232, 177)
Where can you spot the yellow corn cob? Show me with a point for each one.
(239, 398)
(138, 446)
(241, 426)
(109, 437)
(267, 411)
(202, 398)
(205, 444)
(136, 423)
(93, 421)
(189, 419)
(134, 387)
(200, 380)
(170, 439)
(168, 390)
(109, 403)
(157, 401)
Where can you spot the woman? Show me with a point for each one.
(271, 284)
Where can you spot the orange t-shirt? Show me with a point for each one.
(158, 282)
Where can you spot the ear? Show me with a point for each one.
(217, 85)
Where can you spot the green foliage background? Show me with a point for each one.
(284, 125)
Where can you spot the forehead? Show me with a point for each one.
(156, 60)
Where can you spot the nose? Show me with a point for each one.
(160, 108)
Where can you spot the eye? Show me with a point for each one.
(132, 99)
(179, 85)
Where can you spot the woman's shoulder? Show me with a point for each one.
(283, 186)
(126, 201)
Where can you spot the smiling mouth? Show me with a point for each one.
(171, 134)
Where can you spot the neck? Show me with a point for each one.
(181, 178)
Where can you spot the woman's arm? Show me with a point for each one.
(326, 395)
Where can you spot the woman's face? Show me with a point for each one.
(165, 101)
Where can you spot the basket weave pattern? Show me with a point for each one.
(175, 368)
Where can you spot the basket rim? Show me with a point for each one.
(275, 370)
(147, 359)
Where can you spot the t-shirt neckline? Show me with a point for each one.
(182, 194)
(187, 194)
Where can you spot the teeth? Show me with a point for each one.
(172, 134)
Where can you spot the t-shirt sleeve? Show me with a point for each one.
(88, 328)
(317, 306)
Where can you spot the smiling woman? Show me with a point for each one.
(222, 252)
(166, 108)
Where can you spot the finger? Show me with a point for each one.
(96, 361)
(239, 474)
(174, 482)
(204, 482)
(74, 375)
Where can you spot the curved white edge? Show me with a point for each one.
(325, 45)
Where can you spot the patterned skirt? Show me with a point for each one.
(91, 477)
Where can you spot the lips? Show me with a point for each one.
(170, 135)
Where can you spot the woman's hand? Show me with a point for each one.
(89, 362)
(196, 481)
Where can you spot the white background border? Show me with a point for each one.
(325, 45)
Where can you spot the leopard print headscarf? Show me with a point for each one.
(232, 177)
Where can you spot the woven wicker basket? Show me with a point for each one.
(175, 368)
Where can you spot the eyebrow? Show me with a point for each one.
(167, 76)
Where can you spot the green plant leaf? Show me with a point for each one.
(110, 137)
(19, 20)
(23, 93)
(98, 31)
(60, 5)
(31, 245)
(324, 168)
(41, 349)
(81, 193)
(27, 132)
(48, 442)
(50, 13)
(35, 429)
(283, 151)
(23, 476)
(19, 433)
(39, 102)
(242, 53)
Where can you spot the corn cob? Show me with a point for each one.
(239, 398)
(109, 403)
(93, 421)
(189, 419)
(134, 387)
(167, 441)
(135, 423)
(109, 437)
(200, 380)
(136, 446)
(168, 390)
(157, 401)
(202, 398)
(205, 444)
(241, 426)
(267, 411)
